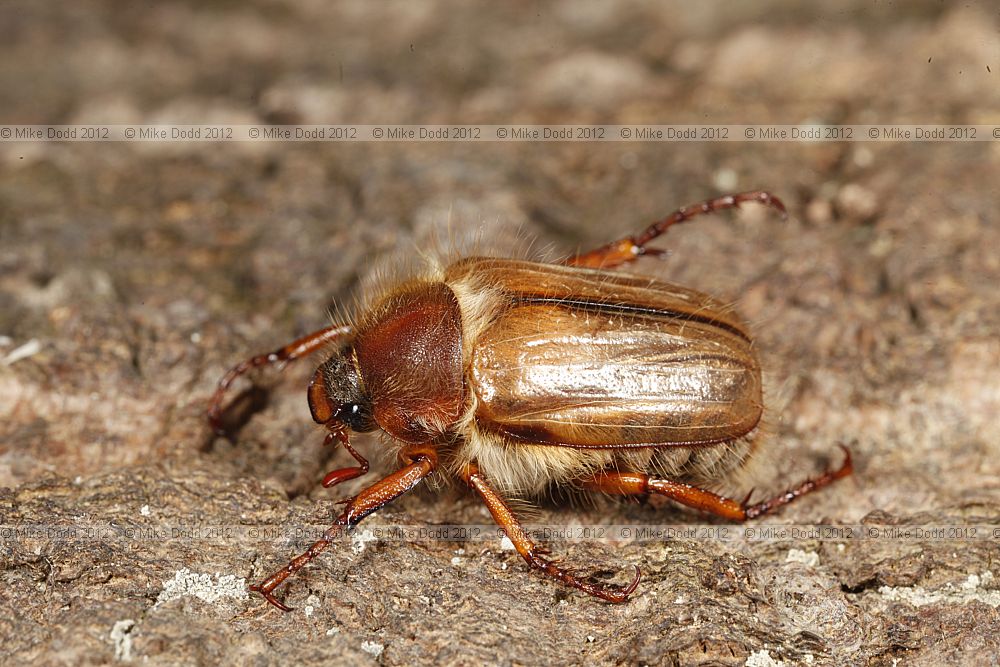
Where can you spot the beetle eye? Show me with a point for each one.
(356, 416)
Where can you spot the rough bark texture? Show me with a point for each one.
(144, 270)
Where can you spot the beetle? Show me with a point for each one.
(516, 376)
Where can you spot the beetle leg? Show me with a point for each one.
(343, 474)
(422, 462)
(640, 484)
(295, 350)
(632, 248)
(532, 553)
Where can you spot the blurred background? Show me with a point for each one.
(133, 274)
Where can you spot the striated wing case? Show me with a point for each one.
(587, 358)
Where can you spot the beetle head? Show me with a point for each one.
(336, 396)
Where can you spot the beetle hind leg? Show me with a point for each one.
(641, 484)
(632, 248)
(537, 556)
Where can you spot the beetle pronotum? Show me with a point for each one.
(514, 376)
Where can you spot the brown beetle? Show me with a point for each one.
(514, 376)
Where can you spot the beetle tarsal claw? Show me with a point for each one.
(848, 465)
(628, 590)
(619, 594)
(269, 596)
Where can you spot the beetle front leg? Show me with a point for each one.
(533, 554)
(422, 462)
(295, 350)
(641, 484)
(632, 248)
(343, 474)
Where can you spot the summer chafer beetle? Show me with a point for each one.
(515, 376)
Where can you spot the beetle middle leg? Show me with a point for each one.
(295, 350)
(532, 553)
(641, 484)
(631, 248)
(422, 461)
